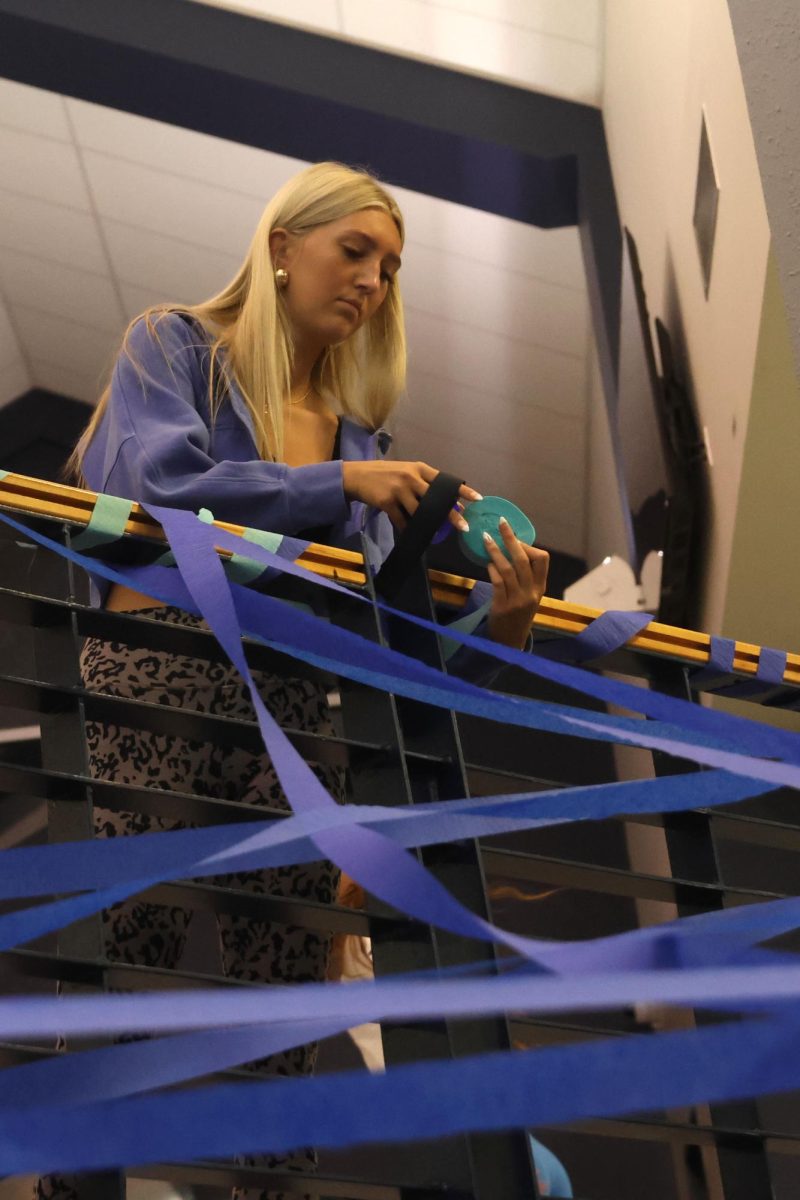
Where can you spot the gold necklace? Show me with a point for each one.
(305, 396)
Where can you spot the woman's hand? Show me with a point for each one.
(397, 488)
(518, 586)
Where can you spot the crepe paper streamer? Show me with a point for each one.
(372, 860)
(135, 1067)
(364, 854)
(29, 871)
(450, 692)
(133, 864)
(453, 693)
(606, 633)
(715, 676)
(397, 998)
(129, 1068)
(407, 676)
(240, 568)
(765, 739)
(107, 523)
(693, 719)
(244, 570)
(740, 730)
(506, 1090)
(769, 674)
(584, 642)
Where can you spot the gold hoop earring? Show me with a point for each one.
(281, 277)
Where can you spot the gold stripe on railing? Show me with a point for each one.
(23, 494)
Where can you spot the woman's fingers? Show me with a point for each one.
(456, 517)
(505, 572)
(540, 565)
(519, 559)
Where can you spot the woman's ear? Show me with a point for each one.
(279, 246)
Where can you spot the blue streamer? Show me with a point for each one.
(567, 1080)
(606, 633)
(29, 871)
(608, 1077)
(694, 720)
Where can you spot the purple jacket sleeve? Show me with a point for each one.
(154, 443)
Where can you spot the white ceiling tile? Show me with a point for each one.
(9, 345)
(548, 64)
(518, 370)
(54, 288)
(181, 151)
(82, 349)
(136, 299)
(575, 19)
(14, 381)
(172, 206)
(440, 405)
(51, 231)
(176, 270)
(33, 110)
(60, 379)
(504, 302)
(314, 14)
(551, 254)
(42, 167)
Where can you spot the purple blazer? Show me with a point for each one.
(156, 443)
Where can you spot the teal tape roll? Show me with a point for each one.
(484, 516)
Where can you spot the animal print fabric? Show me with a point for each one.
(154, 935)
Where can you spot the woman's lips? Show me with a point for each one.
(350, 304)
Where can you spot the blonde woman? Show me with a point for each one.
(265, 405)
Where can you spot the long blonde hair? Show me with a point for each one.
(248, 329)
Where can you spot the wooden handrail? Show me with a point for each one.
(38, 497)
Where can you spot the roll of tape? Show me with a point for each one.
(484, 516)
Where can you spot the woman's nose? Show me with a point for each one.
(369, 277)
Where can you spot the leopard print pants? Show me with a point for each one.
(154, 935)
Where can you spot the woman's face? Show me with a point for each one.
(339, 274)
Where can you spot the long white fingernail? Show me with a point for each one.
(478, 496)
(463, 526)
(503, 522)
(487, 537)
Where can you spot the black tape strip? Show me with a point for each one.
(414, 540)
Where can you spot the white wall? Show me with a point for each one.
(14, 375)
(665, 61)
(606, 530)
(552, 46)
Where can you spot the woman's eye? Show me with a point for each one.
(351, 252)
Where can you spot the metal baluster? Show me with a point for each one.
(425, 763)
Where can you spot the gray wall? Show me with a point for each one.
(768, 42)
